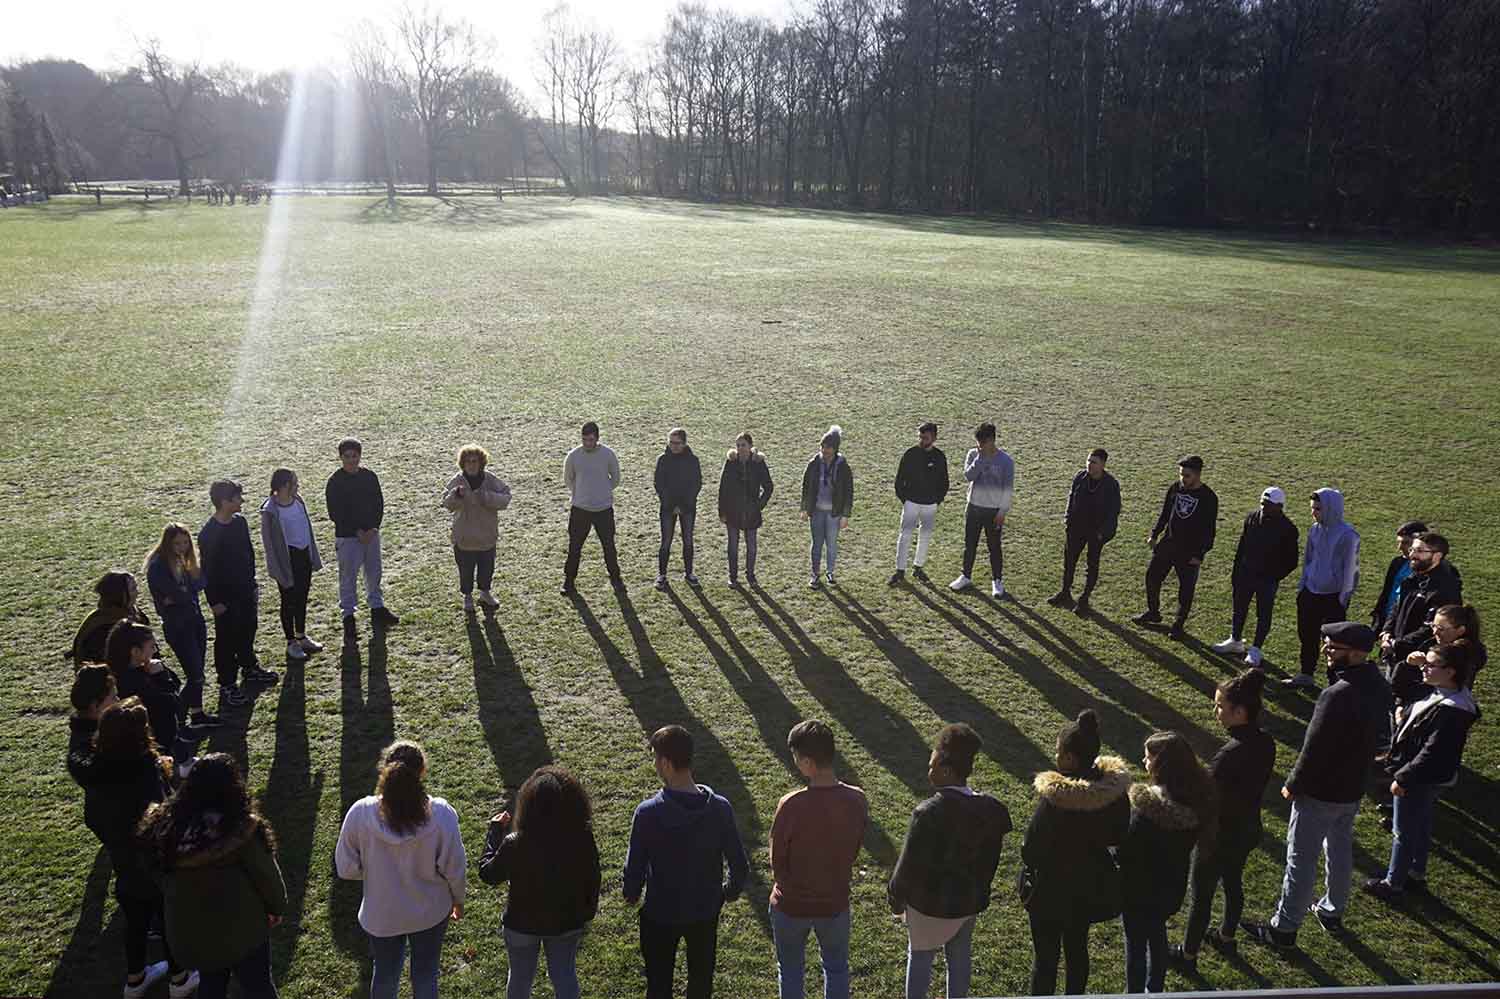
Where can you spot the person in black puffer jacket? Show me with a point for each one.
(1168, 818)
(744, 490)
(549, 856)
(1434, 583)
(678, 481)
(131, 655)
(1241, 769)
(1069, 878)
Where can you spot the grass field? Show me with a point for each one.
(149, 349)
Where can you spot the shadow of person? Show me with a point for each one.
(290, 801)
(508, 713)
(368, 727)
(91, 962)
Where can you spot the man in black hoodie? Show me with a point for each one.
(1326, 785)
(921, 485)
(1433, 584)
(1189, 517)
(1092, 517)
(1267, 554)
(678, 481)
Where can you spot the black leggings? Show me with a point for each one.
(138, 914)
(294, 600)
(1226, 864)
(1051, 939)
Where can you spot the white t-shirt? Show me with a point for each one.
(295, 527)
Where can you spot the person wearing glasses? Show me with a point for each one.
(1432, 585)
(1326, 785)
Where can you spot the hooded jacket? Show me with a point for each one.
(679, 846)
(1093, 507)
(116, 795)
(1155, 854)
(1410, 624)
(744, 490)
(160, 692)
(1429, 745)
(678, 479)
(476, 523)
(950, 855)
(1331, 564)
(412, 880)
(219, 886)
(554, 885)
(93, 635)
(1267, 548)
(273, 541)
(843, 485)
(1341, 736)
(922, 476)
(1067, 844)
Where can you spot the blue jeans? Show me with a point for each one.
(1412, 824)
(253, 972)
(524, 949)
(790, 934)
(1317, 827)
(958, 952)
(825, 531)
(187, 633)
(389, 954)
(1145, 951)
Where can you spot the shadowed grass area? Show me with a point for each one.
(134, 377)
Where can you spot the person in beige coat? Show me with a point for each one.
(476, 498)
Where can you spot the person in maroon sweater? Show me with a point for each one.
(815, 839)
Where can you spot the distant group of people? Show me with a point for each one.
(188, 850)
(218, 194)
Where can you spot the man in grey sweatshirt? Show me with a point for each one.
(991, 474)
(591, 473)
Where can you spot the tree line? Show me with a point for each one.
(1334, 113)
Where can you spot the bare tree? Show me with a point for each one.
(372, 66)
(179, 113)
(437, 53)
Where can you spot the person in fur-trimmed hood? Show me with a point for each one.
(744, 490)
(1168, 817)
(1069, 878)
(216, 862)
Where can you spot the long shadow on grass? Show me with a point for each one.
(655, 701)
(369, 726)
(464, 212)
(774, 714)
(290, 801)
(91, 962)
(1003, 742)
(507, 712)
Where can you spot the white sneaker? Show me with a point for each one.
(154, 974)
(187, 987)
(997, 589)
(488, 599)
(1230, 646)
(468, 603)
(308, 645)
(963, 582)
(1300, 680)
(294, 650)
(1252, 656)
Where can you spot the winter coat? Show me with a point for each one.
(93, 635)
(160, 692)
(843, 486)
(1093, 507)
(1410, 623)
(117, 794)
(922, 476)
(1155, 854)
(1241, 770)
(1267, 548)
(1067, 846)
(1341, 736)
(678, 479)
(476, 521)
(744, 490)
(949, 858)
(1429, 745)
(554, 885)
(273, 541)
(219, 886)
(1378, 613)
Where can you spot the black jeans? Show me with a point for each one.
(1313, 611)
(1226, 864)
(1074, 547)
(187, 633)
(733, 550)
(601, 522)
(1166, 558)
(1264, 592)
(659, 952)
(234, 637)
(1145, 951)
(138, 913)
(294, 600)
(1051, 939)
(470, 563)
(687, 516)
(253, 971)
(982, 519)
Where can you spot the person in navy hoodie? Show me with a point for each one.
(681, 838)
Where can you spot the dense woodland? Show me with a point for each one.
(1334, 113)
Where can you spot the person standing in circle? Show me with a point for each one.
(475, 497)
(744, 490)
(827, 500)
(357, 507)
(291, 547)
(991, 474)
(921, 486)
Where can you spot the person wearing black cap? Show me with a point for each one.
(1396, 572)
(1090, 522)
(1326, 785)
(1189, 517)
(1267, 554)
(921, 485)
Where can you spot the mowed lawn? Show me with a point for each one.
(150, 349)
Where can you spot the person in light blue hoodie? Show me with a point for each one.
(1330, 571)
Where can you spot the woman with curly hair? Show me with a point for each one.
(216, 862)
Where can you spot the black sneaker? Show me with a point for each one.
(202, 719)
(1147, 617)
(734, 582)
(1062, 598)
(383, 617)
(918, 572)
(690, 579)
(1081, 608)
(1382, 889)
(350, 628)
(262, 676)
(231, 695)
(1177, 632)
(1177, 954)
(750, 578)
(566, 589)
(1386, 808)
(1415, 886)
(1329, 922)
(815, 583)
(618, 584)
(1220, 941)
(897, 578)
(193, 733)
(1388, 823)
(1267, 934)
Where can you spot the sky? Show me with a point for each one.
(268, 35)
